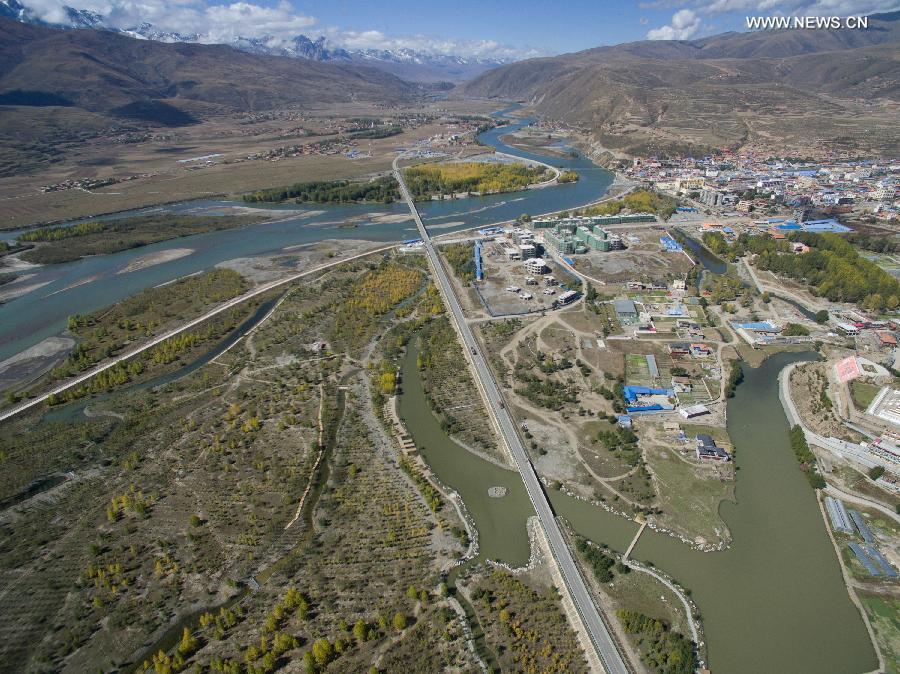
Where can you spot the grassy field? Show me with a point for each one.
(689, 495)
(602, 461)
(622, 589)
(863, 393)
(884, 614)
(162, 179)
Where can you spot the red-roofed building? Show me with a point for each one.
(886, 338)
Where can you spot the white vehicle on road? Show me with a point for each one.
(549, 291)
(513, 289)
(525, 296)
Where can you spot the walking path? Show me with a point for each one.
(318, 459)
(634, 541)
(677, 591)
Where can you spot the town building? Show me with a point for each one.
(693, 411)
(625, 310)
(708, 449)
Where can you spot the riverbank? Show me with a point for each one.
(747, 620)
(790, 410)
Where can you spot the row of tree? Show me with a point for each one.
(58, 233)
(483, 177)
(806, 458)
(380, 190)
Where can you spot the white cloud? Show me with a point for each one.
(778, 7)
(685, 24)
(213, 24)
(374, 39)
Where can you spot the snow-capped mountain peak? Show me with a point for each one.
(408, 63)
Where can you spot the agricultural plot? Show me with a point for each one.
(863, 393)
(655, 371)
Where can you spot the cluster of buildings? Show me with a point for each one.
(459, 131)
(90, 183)
(748, 182)
(319, 148)
(519, 244)
(848, 521)
(581, 234)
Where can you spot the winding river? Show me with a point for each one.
(775, 601)
(89, 284)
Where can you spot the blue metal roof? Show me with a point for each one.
(478, 274)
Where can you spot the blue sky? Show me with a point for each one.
(486, 28)
(582, 24)
(569, 25)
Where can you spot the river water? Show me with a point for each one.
(775, 601)
(42, 313)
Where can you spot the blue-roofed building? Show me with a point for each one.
(756, 326)
(814, 226)
(708, 449)
(840, 520)
(864, 559)
(885, 566)
(860, 523)
(632, 393)
(821, 226)
(478, 272)
(670, 244)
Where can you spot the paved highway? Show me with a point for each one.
(575, 585)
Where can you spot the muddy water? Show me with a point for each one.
(774, 602)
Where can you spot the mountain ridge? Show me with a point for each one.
(412, 65)
(100, 71)
(829, 87)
